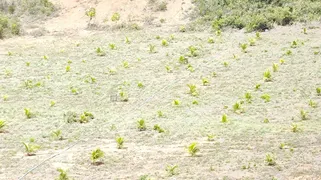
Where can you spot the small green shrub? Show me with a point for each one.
(318, 90)
(28, 113)
(193, 149)
(270, 160)
(62, 175)
(115, 17)
(224, 118)
(171, 169)
(192, 90)
(96, 155)
(141, 125)
(120, 142)
(30, 148)
(267, 76)
(266, 97)
(158, 128)
(91, 13)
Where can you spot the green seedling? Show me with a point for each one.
(10, 53)
(112, 71)
(282, 145)
(115, 17)
(158, 37)
(100, 52)
(28, 113)
(140, 85)
(112, 46)
(195, 102)
(305, 31)
(176, 102)
(190, 68)
(144, 177)
(62, 175)
(266, 97)
(258, 35)
(288, 52)
(275, 67)
(316, 52)
(123, 96)
(52, 103)
(2, 126)
(96, 155)
(45, 57)
(193, 51)
(244, 47)
(218, 33)
(152, 48)
(125, 64)
(120, 142)
(210, 137)
(193, 149)
(267, 76)
(28, 64)
(30, 148)
(237, 107)
(318, 91)
(312, 104)
(168, 69)
(127, 40)
(294, 127)
(248, 97)
(182, 29)
(160, 114)
(57, 134)
(172, 37)
(270, 160)
(74, 91)
(182, 60)
(266, 120)
(257, 86)
(294, 44)
(8, 72)
(192, 89)
(210, 40)
(158, 128)
(282, 61)
(214, 74)
(85, 117)
(304, 115)
(224, 118)
(5, 97)
(252, 41)
(226, 64)
(141, 125)
(171, 169)
(205, 81)
(164, 42)
(91, 13)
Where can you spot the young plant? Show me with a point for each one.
(120, 142)
(267, 76)
(164, 42)
(112, 46)
(257, 86)
(190, 68)
(312, 104)
(62, 175)
(252, 41)
(294, 127)
(193, 149)
(158, 128)
(74, 90)
(91, 13)
(266, 120)
(305, 31)
(275, 67)
(266, 97)
(140, 85)
(193, 51)
(141, 125)
(123, 96)
(160, 114)
(127, 40)
(224, 118)
(152, 48)
(172, 170)
(248, 97)
(100, 52)
(115, 17)
(210, 137)
(270, 160)
(125, 64)
(237, 107)
(30, 148)
(182, 60)
(182, 29)
(96, 155)
(243, 47)
(168, 69)
(85, 117)
(5, 97)
(57, 135)
(195, 102)
(205, 82)
(226, 64)
(28, 113)
(294, 44)
(303, 114)
(288, 52)
(318, 89)
(192, 89)
(2, 125)
(282, 61)
(258, 35)
(52, 103)
(210, 40)
(176, 102)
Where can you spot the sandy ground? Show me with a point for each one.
(239, 147)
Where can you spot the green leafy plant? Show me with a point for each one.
(152, 48)
(176, 102)
(85, 117)
(182, 60)
(91, 13)
(303, 114)
(224, 118)
(312, 104)
(318, 91)
(288, 52)
(193, 149)
(141, 125)
(252, 41)
(275, 67)
(270, 160)
(205, 81)
(168, 69)
(52, 103)
(226, 64)
(164, 42)
(305, 31)
(237, 108)
(140, 85)
(5, 97)
(28, 64)
(160, 114)
(267, 76)
(210, 137)
(158, 37)
(266, 97)
(100, 52)
(62, 175)
(248, 97)
(266, 120)
(123, 96)
(158, 128)
(127, 40)
(125, 64)
(294, 127)
(2, 125)
(243, 47)
(96, 155)
(294, 44)
(192, 90)
(171, 169)
(112, 46)
(74, 90)
(30, 148)
(258, 35)
(144, 177)
(182, 29)
(195, 102)
(193, 51)
(210, 40)
(282, 61)
(214, 74)
(190, 68)
(120, 142)
(257, 86)
(28, 113)
(57, 134)
(115, 17)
